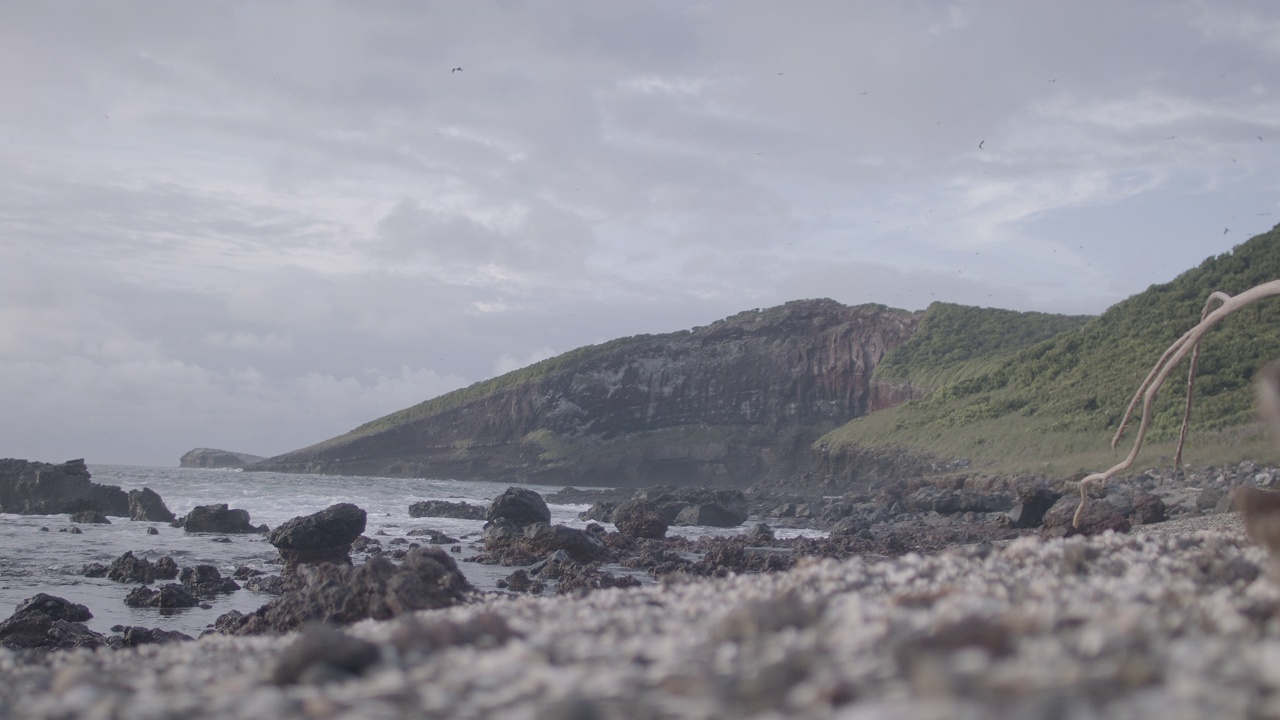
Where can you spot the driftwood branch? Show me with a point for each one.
(1188, 343)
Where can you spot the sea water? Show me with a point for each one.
(37, 554)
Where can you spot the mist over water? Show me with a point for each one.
(33, 560)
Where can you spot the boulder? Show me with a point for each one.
(1032, 503)
(145, 504)
(582, 546)
(341, 594)
(130, 569)
(325, 536)
(1098, 517)
(435, 537)
(36, 488)
(218, 519)
(709, 514)
(640, 518)
(1147, 509)
(205, 580)
(90, 517)
(169, 595)
(133, 636)
(521, 506)
(732, 510)
(47, 622)
(446, 509)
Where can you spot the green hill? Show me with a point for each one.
(1060, 399)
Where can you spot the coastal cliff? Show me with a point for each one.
(734, 402)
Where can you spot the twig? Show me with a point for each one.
(1163, 368)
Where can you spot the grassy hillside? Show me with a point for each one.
(1060, 399)
(956, 342)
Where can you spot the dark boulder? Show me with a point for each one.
(521, 506)
(600, 510)
(133, 636)
(446, 509)
(36, 488)
(709, 514)
(47, 622)
(265, 584)
(145, 504)
(731, 511)
(130, 569)
(1147, 509)
(640, 518)
(218, 519)
(322, 654)
(582, 546)
(340, 594)
(1098, 517)
(90, 517)
(55, 607)
(1032, 503)
(169, 595)
(205, 580)
(321, 537)
(435, 537)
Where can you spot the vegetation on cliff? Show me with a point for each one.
(1064, 395)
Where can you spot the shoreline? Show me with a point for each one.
(1169, 621)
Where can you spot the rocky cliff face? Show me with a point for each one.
(217, 459)
(36, 488)
(736, 401)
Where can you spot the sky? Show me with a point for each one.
(254, 226)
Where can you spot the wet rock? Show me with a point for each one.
(731, 509)
(73, 530)
(709, 514)
(582, 546)
(94, 570)
(519, 581)
(322, 654)
(265, 584)
(435, 537)
(446, 509)
(640, 518)
(36, 488)
(90, 517)
(133, 636)
(152, 531)
(146, 504)
(322, 537)
(48, 622)
(340, 594)
(521, 506)
(130, 569)
(54, 607)
(218, 519)
(169, 595)
(600, 511)
(206, 580)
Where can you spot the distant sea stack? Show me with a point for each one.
(734, 402)
(217, 459)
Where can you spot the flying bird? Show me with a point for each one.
(980, 144)
(1226, 230)
(457, 69)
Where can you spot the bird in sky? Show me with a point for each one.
(980, 144)
(457, 69)
(1226, 230)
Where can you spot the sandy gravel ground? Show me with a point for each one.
(1176, 620)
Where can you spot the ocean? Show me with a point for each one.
(33, 560)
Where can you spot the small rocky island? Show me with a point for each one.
(217, 459)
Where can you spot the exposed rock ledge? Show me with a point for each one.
(217, 459)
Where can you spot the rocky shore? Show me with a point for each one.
(955, 596)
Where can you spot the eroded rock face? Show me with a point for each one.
(521, 506)
(736, 401)
(36, 488)
(218, 519)
(169, 596)
(321, 537)
(340, 594)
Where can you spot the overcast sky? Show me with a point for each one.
(254, 226)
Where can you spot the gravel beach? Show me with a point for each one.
(1172, 620)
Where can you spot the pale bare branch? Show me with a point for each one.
(1168, 361)
(1191, 381)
